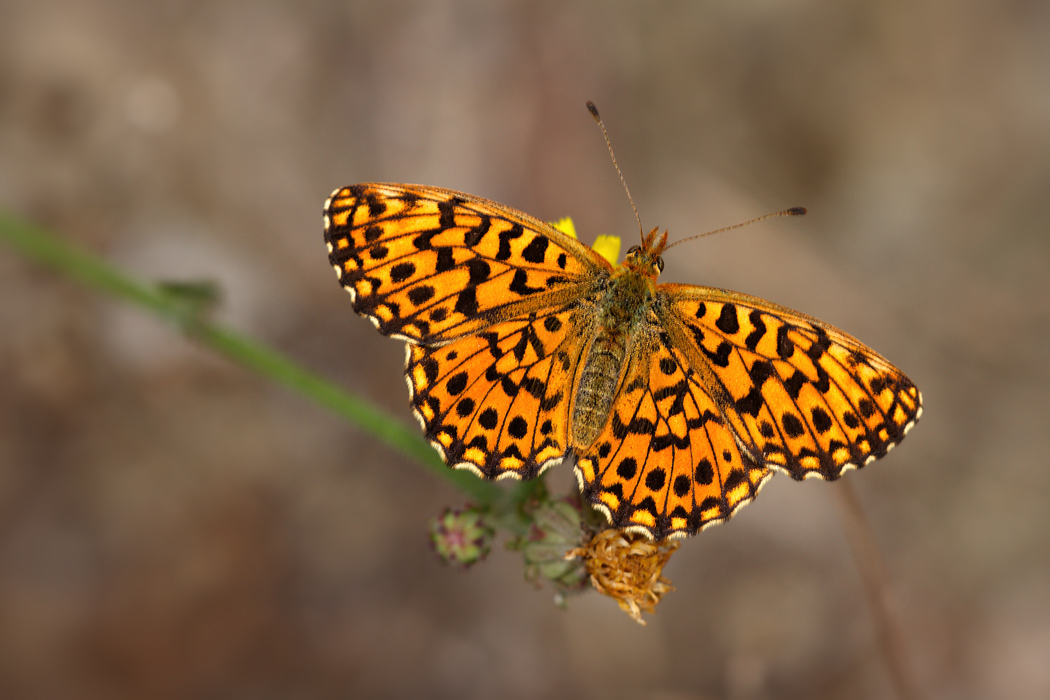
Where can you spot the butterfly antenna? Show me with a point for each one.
(793, 211)
(594, 113)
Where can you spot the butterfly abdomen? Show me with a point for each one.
(597, 388)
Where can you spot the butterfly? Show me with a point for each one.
(525, 347)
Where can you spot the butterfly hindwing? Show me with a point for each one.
(667, 462)
(497, 401)
(427, 265)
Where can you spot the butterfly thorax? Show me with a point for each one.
(624, 309)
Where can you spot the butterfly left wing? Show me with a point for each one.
(799, 394)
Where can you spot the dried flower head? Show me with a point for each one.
(627, 567)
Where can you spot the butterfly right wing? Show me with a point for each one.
(428, 265)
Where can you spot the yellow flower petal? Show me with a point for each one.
(608, 247)
(566, 226)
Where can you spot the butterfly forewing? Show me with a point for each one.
(426, 264)
(813, 400)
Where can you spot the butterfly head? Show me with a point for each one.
(646, 258)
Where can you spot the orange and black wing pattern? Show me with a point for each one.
(483, 295)
(805, 397)
(667, 462)
(427, 265)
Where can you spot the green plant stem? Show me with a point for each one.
(46, 249)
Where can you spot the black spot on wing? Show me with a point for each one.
(518, 427)
(727, 320)
(866, 407)
(793, 384)
(445, 260)
(750, 404)
(760, 372)
(735, 478)
(655, 479)
(792, 425)
(510, 388)
(467, 302)
(402, 271)
(534, 387)
(430, 369)
(758, 333)
(850, 419)
(519, 285)
(376, 206)
(823, 383)
(720, 356)
(488, 419)
(447, 211)
(704, 473)
(627, 468)
(536, 251)
(473, 236)
(821, 420)
(457, 383)
(421, 294)
(551, 401)
(819, 346)
(505, 237)
(479, 271)
(422, 241)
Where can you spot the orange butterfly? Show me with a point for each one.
(525, 346)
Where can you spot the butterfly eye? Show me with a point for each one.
(633, 249)
(660, 264)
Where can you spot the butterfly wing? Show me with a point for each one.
(726, 388)
(486, 298)
(496, 402)
(428, 265)
(799, 394)
(667, 462)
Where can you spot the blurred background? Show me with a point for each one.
(173, 526)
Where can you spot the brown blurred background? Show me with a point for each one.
(172, 526)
